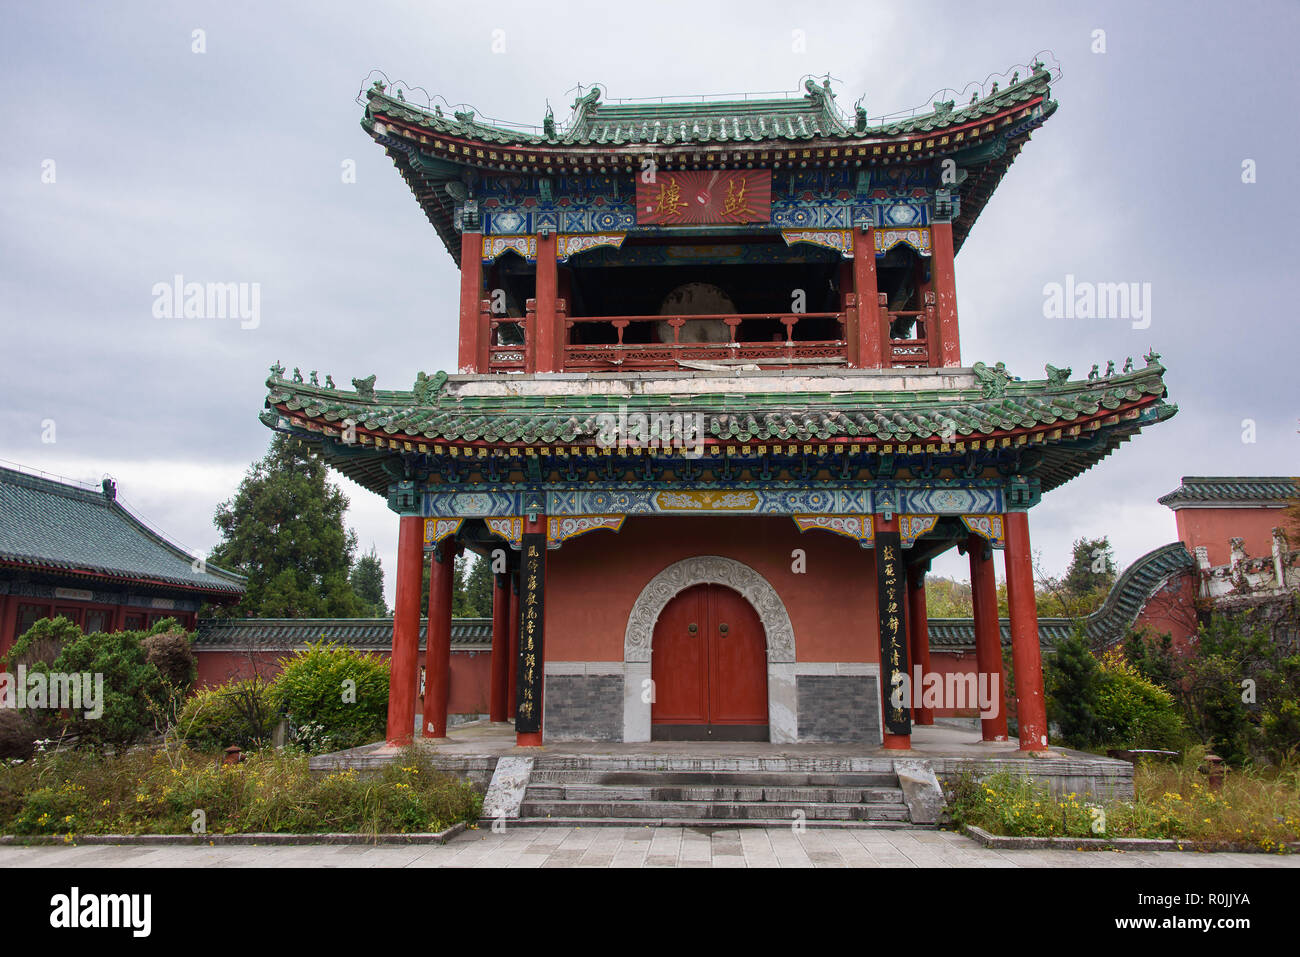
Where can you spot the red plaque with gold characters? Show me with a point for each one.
(704, 197)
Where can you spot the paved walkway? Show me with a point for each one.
(636, 847)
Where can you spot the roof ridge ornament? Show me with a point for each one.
(1057, 378)
(993, 381)
(427, 387)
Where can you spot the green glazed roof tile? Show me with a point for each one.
(1229, 489)
(56, 525)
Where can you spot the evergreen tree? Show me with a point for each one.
(459, 597)
(368, 582)
(284, 530)
(478, 589)
(1091, 572)
(1072, 680)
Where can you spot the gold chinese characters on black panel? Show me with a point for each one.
(891, 584)
(532, 575)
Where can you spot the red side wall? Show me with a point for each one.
(594, 580)
(470, 674)
(1213, 527)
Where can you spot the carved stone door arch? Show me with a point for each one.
(758, 591)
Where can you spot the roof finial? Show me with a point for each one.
(548, 124)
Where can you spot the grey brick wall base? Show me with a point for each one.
(583, 708)
(838, 708)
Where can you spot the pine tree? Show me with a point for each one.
(478, 589)
(284, 530)
(1090, 575)
(1072, 680)
(368, 582)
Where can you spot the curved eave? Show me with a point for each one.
(118, 576)
(766, 124)
(428, 149)
(1071, 428)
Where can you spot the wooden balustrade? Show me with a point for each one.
(716, 337)
(784, 350)
(914, 348)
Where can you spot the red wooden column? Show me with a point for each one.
(918, 628)
(849, 308)
(473, 331)
(548, 331)
(988, 634)
(945, 294)
(1031, 709)
(404, 665)
(512, 690)
(867, 345)
(437, 657)
(500, 646)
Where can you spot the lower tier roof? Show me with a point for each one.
(376, 437)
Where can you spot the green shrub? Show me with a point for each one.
(79, 792)
(1172, 800)
(134, 693)
(238, 713)
(336, 697)
(1133, 712)
(41, 643)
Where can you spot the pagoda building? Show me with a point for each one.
(711, 421)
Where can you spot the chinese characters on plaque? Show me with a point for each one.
(532, 575)
(705, 197)
(891, 582)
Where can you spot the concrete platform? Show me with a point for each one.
(473, 750)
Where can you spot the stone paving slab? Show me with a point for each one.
(524, 846)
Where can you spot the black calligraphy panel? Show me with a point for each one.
(532, 590)
(891, 586)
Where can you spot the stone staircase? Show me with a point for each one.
(695, 792)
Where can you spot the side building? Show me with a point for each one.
(71, 550)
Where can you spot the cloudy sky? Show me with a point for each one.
(130, 158)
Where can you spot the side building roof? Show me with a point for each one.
(267, 635)
(1211, 490)
(64, 528)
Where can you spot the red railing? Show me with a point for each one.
(905, 334)
(716, 337)
(905, 337)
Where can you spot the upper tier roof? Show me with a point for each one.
(64, 528)
(812, 116)
(1214, 490)
(438, 153)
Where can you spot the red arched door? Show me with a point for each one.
(709, 665)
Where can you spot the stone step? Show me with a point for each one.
(698, 823)
(659, 764)
(733, 779)
(802, 795)
(785, 812)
